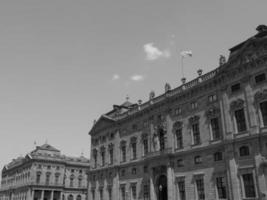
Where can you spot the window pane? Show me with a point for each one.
(181, 187)
(240, 120)
(221, 187)
(263, 107)
(249, 185)
(179, 138)
(200, 189)
(196, 134)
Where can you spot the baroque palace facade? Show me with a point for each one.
(206, 139)
(45, 174)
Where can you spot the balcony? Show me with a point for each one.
(163, 152)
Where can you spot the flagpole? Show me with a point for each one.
(182, 66)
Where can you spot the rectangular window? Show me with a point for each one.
(263, 107)
(111, 156)
(235, 87)
(260, 78)
(123, 193)
(103, 157)
(194, 105)
(177, 111)
(95, 159)
(212, 98)
(47, 180)
(240, 120)
(181, 188)
(145, 143)
(79, 182)
(200, 188)
(133, 150)
(179, 138)
(56, 179)
(123, 153)
(38, 178)
(221, 187)
(71, 182)
(215, 129)
(249, 185)
(196, 134)
(146, 192)
(133, 191)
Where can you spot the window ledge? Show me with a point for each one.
(177, 149)
(198, 144)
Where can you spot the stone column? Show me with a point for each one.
(52, 195)
(42, 195)
(170, 181)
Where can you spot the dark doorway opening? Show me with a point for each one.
(162, 189)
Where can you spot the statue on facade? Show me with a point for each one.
(222, 60)
(167, 87)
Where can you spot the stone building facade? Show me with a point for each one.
(206, 139)
(45, 174)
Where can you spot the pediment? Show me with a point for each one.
(101, 123)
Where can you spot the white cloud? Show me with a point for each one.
(115, 77)
(153, 53)
(137, 77)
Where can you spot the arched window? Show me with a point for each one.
(79, 197)
(70, 197)
(244, 151)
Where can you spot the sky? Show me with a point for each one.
(63, 63)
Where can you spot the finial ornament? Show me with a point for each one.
(151, 95)
(167, 87)
(199, 72)
(183, 80)
(261, 28)
(222, 60)
(127, 97)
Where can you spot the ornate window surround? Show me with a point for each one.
(234, 106)
(260, 97)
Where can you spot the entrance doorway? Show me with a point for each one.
(162, 190)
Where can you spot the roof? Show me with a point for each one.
(47, 147)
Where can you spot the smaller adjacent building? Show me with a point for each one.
(45, 174)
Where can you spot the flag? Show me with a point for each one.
(186, 53)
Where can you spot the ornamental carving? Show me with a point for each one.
(177, 124)
(237, 104)
(212, 112)
(151, 95)
(194, 119)
(260, 96)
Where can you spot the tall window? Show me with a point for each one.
(111, 155)
(249, 188)
(80, 182)
(56, 179)
(79, 197)
(161, 140)
(240, 120)
(123, 153)
(196, 133)
(146, 192)
(263, 109)
(200, 188)
(133, 191)
(215, 128)
(71, 181)
(47, 178)
(181, 188)
(133, 150)
(103, 157)
(221, 187)
(38, 177)
(123, 192)
(179, 138)
(145, 146)
(95, 157)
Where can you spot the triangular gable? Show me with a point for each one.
(103, 121)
